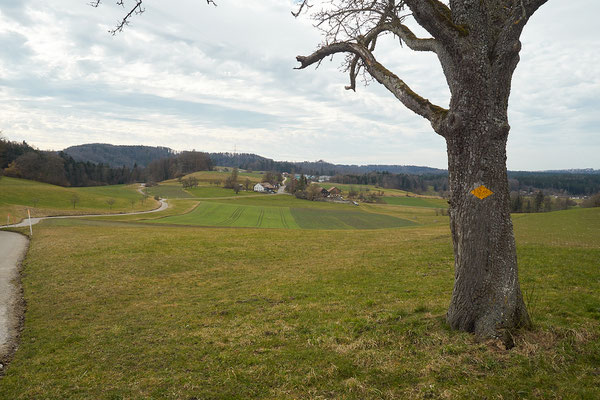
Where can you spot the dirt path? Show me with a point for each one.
(12, 251)
(13, 248)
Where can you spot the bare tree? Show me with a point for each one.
(110, 203)
(74, 199)
(477, 44)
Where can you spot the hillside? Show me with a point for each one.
(117, 156)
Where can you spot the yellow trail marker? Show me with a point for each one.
(481, 192)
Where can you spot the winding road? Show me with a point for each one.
(13, 248)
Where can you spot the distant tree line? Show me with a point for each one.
(118, 155)
(411, 183)
(576, 184)
(255, 162)
(20, 160)
(539, 202)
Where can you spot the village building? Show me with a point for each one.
(334, 192)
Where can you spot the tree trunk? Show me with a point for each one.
(486, 299)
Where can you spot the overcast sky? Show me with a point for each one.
(190, 76)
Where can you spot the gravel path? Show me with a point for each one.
(12, 250)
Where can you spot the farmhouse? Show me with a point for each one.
(264, 187)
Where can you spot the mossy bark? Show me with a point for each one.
(486, 299)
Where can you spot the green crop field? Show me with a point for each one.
(18, 195)
(237, 214)
(117, 309)
(308, 218)
(284, 200)
(416, 202)
(217, 214)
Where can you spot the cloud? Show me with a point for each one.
(188, 75)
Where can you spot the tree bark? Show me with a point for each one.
(487, 298)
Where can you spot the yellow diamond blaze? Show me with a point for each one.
(481, 192)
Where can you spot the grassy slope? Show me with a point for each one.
(171, 190)
(208, 176)
(16, 195)
(364, 188)
(225, 313)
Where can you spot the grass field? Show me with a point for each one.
(366, 188)
(118, 310)
(18, 195)
(172, 190)
(210, 176)
(204, 192)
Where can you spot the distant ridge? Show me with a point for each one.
(118, 156)
(256, 162)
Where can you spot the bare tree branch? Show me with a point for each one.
(399, 89)
(303, 5)
(136, 10)
(411, 40)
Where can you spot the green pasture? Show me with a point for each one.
(174, 190)
(18, 195)
(119, 310)
(204, 192)
(364, 188)
(210, 176)
(171, 190)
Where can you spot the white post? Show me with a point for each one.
(30, 228)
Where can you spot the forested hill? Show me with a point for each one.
(118, 156)
(258, 163)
